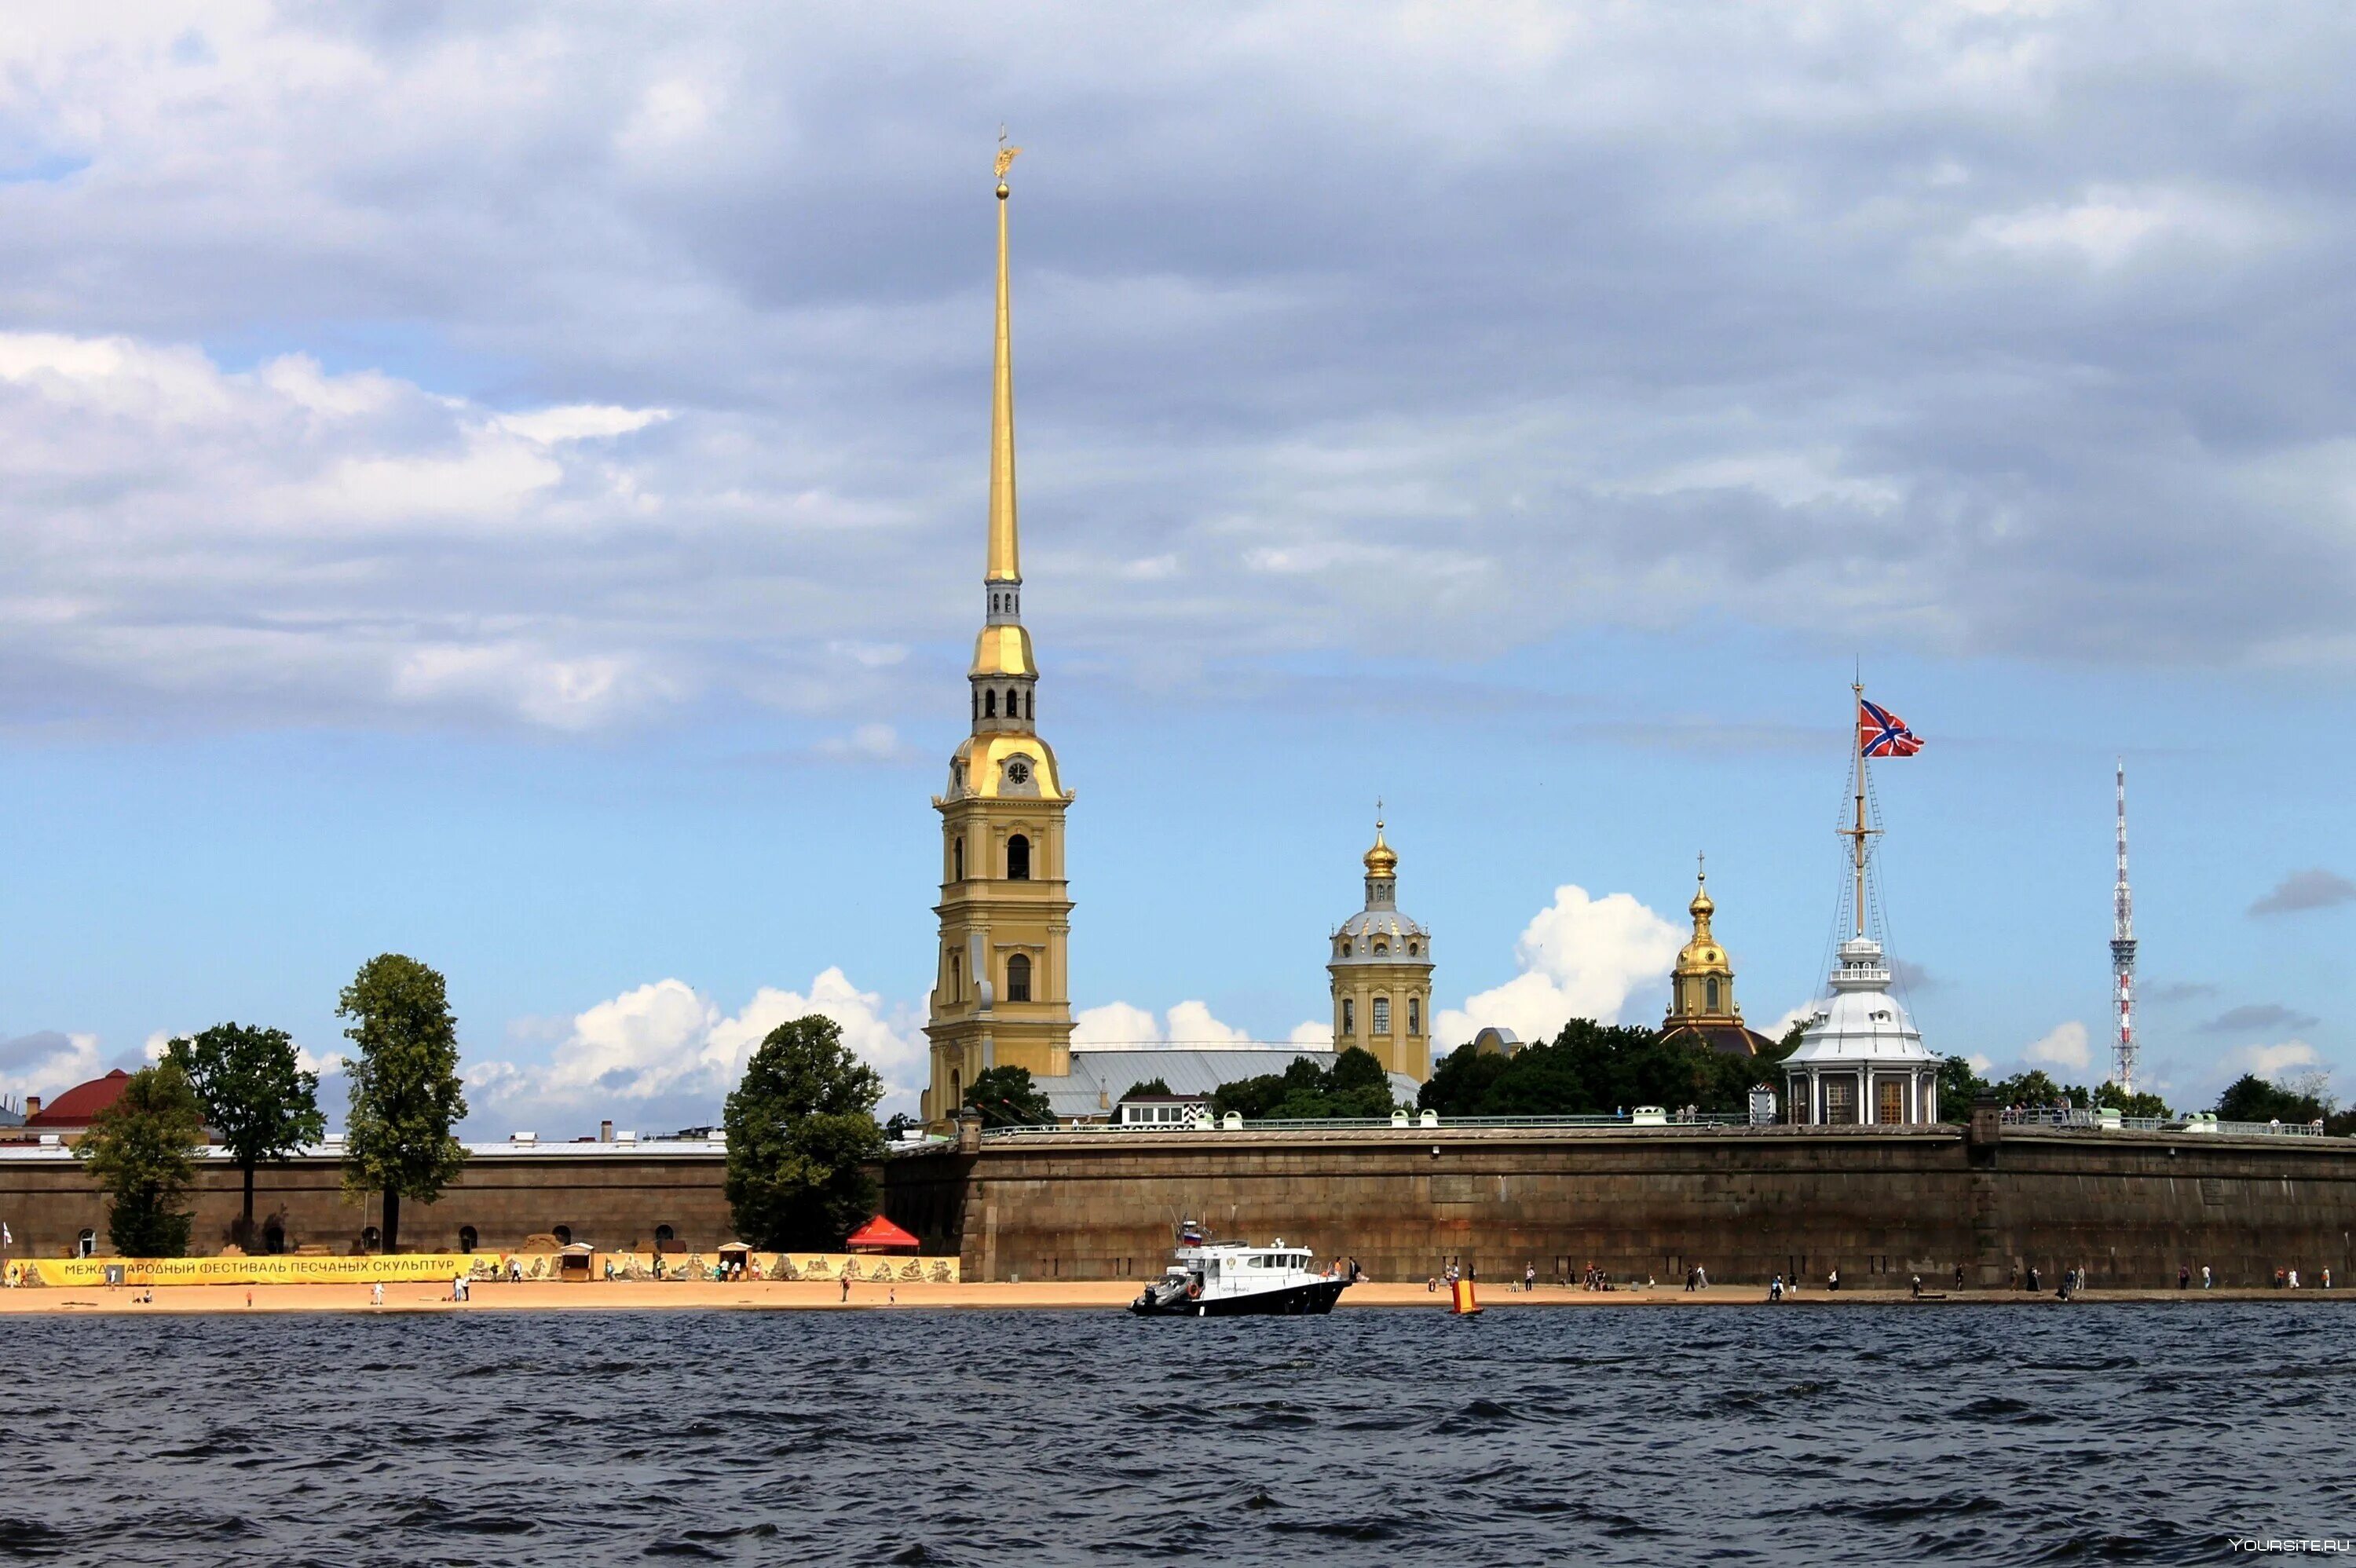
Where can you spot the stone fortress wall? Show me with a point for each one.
(1878, 1203)
(613, 1196)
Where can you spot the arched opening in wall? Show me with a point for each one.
(372, 1239)
(274, 1234)
(1710, 994)
(1018, 978)
(957, 1091)
(1413, 948)
(1382, 947)
(563, 1235)
(956, 977)
(1349, 1015)
(957, 859)
(664, 1237)
(467, 1240)
(1013, 703)
(1415, 1015)
(1030, 704)
(1382, 1015)
(990, 703)
(1018, 859)
(86, 1243)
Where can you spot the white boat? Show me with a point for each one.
(1228, 1279)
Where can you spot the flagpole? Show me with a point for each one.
(1857, 744)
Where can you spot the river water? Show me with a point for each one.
(1799, 1433)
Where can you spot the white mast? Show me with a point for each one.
(2123, 955)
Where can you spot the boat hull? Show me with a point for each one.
(1313, 1299)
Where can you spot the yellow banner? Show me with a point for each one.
(290, 1269)
(282, 1269)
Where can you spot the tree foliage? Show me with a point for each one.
(1592, 1069)
(142, 1150)
(406, 1094)
(801, 1132)
(1149, 1086)
(2251, 1098)
(259, 1102)
(1355, 1086)
(1006, 1097)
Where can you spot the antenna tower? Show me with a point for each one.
(2122, 955)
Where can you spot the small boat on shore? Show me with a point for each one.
(1234, 1280)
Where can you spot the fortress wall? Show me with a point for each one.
(607, 1199)
(1878, 1203)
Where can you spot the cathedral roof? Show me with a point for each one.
(1862, 1022)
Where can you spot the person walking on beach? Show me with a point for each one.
(2204, 1277)
(846, 1289)
(1775, 1288)
(2184, 1276)
(1959, 1277)
(1530, 1278)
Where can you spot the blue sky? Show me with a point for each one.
(507, 488)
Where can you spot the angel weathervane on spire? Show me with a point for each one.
(1006, 155)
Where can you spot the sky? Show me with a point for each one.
(505, 484)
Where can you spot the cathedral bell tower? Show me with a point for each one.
(1380, 974)
(1701, 987)
(1003, 995)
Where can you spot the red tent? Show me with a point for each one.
(880, 1236)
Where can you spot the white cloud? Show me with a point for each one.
(2066, 1047)
(2109, 224)
(1579, 957)
(1981, 1064)
(48, 1063)
(1189, 1023)
(667, 1046)
(2269, 1061)
(1317, 1034)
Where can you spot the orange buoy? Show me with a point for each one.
(1464, 1305)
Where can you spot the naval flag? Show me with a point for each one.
(1881, 733)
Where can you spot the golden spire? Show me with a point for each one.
(1005, 557)
(1702, 907)
(1381, 861)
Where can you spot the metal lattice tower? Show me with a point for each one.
(2122, 955)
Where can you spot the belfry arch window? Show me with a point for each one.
(1030, 704)
(1018, 978)
(957, 859)
(1710, 990)
(990, 703)
(1018, 859)
(1349, 1015)
(1013, 703)
(956, 978)
(1415, 1015)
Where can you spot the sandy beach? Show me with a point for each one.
(820, 1297)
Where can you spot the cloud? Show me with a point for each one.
(1982, 1065)
(518, 367)
(667, 1051)
(1189, 1023)
(1911, 977)
(1579, 957)
(2254, 1017)
(2176, 991)
(2269, 1061)
(2066, 1046)
(47, 1063)
(2313, 888)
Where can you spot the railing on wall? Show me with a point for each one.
(1370, 1123)
(2075, 1116)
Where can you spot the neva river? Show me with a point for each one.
(1802, 1434)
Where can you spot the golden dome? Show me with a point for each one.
(1381, 861)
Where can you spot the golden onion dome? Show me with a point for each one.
(1381, 861)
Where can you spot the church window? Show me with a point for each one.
(1413, 948)
(1018, 978)
(1382, 1015)
(1892, 1108)
(1382, 947)
(1013, 703)
(990, 703)
(1018, 859)
(1349, 1015)
(1415, 1015)
(957, 859)
(1840, 1102)
(957, 1091)
(956, 978)
(1710, 989)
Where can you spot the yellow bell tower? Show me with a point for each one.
(1701, 987)
(1380, 974)
(1003, 995)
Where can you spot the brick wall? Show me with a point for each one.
(1878, 1203)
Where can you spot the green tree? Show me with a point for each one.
(1592, 1069)
(1959, 1085)
(801, 1132)
(257, 1098)
(1007, 1098)
(2251, 1098)
(406, 1095)
(2129, 1104)
(1355, 1087)
(1150, 1086)
(143, 1151)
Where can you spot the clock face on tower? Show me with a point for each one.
(1018, 772)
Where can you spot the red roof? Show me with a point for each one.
(878, 1235)
(78, 1105)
